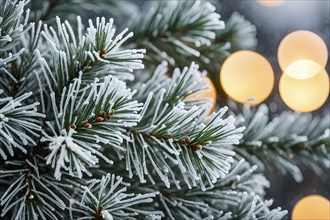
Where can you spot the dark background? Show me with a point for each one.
(273, 24)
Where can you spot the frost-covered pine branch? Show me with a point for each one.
(86, 118)
(238, 196)
(291, 139)
(182, 31)
(97, 47)
(171, 29)
(27, 190)
(253, 207)
(107, 199)
(239, 32)
(19, 125)
(33, 194)
(171, 134)
(13, 19)
(13, 24)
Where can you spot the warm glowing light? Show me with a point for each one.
(312, 207)
(271, 3)
(247, 77)
(210, 94)
(304, 86)
(303, 69)
(302, 45)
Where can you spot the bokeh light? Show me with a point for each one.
(302, 45)
(247, 77)
(271, 3)
(304, 86)
(210, 94)
(312, 207)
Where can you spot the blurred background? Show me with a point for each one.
(273, 24)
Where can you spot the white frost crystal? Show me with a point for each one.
(3, 119)
(106, 215)
(62, 148)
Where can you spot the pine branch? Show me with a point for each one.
(13, 25)
(107, 199)
(216, 201)
(168, 134)
(29, 195)
(12, 22)
(252, 207)
(179, 32)
(72, 53)
(19, 124)
(226, 199)
(290, 139)
(86, 119)
(22, 70)
(173, 29)
(239, 32)
(32, 194)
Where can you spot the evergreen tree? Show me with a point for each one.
(96, 124)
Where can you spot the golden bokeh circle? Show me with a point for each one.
(302, 45)
(304, 86)
(312, 207)
(247, 77)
